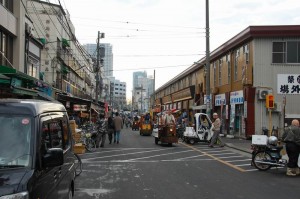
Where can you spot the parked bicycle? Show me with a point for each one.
(87, 137)
(78, 165)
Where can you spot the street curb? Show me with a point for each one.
(237, 148)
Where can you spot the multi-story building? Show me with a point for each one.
(117, 94)
(41, 57)
(106, 53)
(258, 61)
(20, 52)
(143, 88)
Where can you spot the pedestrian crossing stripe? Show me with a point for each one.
(216, 158)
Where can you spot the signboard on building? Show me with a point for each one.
(288, 84)
(237, 97)
(182, 95)
(207, 99)
(219, 99)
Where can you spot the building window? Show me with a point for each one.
(6, 48)
(237, 52)
(215, 74)
(220, 71)
(32, 70)
(279, 51)
(7, 4)
(228, 68)
(293, 52)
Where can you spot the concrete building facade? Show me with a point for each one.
(258, 61)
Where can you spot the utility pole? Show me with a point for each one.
(142, 98)
(98, 70)
(97, 67)
(207, 67)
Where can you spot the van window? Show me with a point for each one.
(55, 133)
(15, 140)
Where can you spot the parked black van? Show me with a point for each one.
(36, 158)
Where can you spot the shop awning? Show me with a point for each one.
(62, 97)
(24, 91)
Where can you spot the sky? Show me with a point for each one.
(168, 36)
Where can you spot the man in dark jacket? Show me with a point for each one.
(291, 137)
(111, 129)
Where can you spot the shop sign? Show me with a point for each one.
(288, 84)
(78, 107)
(182, 95)
(237, 97)
(207, 99)
(220, 100)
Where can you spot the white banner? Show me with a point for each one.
(288, 84)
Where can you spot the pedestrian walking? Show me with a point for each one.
(118, 123)
(291, 137)
(216, 131)
(102, 129)
(111, 129)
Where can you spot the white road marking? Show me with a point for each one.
(160, 155)
(238, 160)
(243, 165)
(190, 157)
(216, 154)
(123, 154)
(237, 156)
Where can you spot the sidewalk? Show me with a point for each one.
(238, 144)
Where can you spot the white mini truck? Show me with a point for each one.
(201, 131)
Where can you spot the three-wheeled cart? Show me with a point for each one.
(201, 132)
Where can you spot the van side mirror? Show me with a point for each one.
(54, 157)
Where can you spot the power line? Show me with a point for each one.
(137, 23)
(128, 69)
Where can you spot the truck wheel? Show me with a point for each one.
(170, 144)
(156, 140)
(192, 141)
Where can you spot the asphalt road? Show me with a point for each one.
(136, 168)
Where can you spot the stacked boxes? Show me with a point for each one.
(78, 147)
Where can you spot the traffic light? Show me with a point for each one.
(269, 101)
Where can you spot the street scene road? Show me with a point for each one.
(137, 168)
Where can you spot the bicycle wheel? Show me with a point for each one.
(78, 165)
(90, 145)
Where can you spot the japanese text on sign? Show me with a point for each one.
(288, 83)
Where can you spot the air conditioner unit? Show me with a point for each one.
(261, 93)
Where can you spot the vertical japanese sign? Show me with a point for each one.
(288, 84)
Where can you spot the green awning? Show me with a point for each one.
(43, 40)
(8, 71)
(65, 42)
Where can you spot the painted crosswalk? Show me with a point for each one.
(179, 153)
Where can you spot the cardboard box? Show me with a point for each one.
(259, 139)
(79, 148)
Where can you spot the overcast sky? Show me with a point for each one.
(168, 36)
